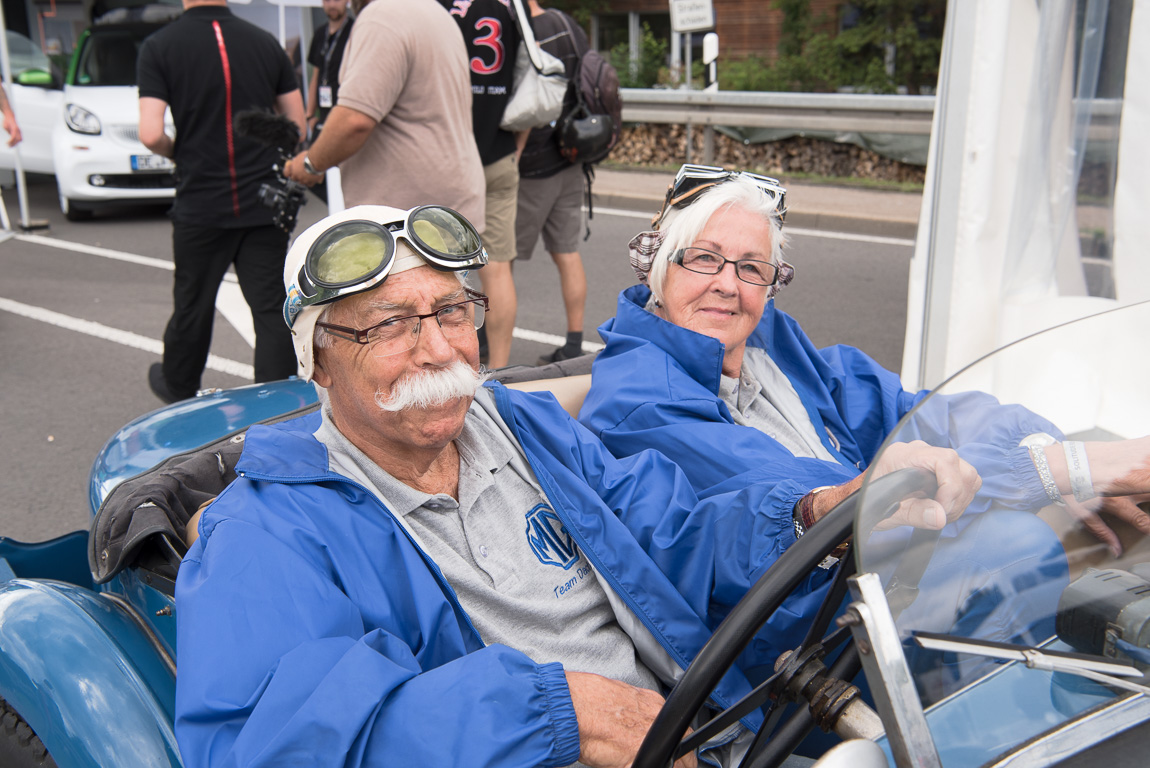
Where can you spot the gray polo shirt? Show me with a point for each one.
(763, 398)
(501, 547)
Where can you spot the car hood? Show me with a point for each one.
(118, 103)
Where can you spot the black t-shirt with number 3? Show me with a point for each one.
(492, 38)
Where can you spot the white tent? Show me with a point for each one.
(998, 255)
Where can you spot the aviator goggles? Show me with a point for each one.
(357, 255)
(692, 180)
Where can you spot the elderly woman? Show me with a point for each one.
(700, 365)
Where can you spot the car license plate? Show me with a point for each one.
(151, 163)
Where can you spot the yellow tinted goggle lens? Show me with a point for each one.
(439, 230)
(350, 258)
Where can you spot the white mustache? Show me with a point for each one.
(434, 388)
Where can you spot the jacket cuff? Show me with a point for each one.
(1026, 476)
(786, 522)
(553, 681)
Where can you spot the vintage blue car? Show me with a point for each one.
(88, 657)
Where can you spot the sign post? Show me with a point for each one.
(688, 16)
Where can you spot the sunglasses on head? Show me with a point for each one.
(692, 180)
(355, 256)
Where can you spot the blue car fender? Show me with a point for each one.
(88, 677)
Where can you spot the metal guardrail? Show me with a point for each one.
(860, 113)
(839, 112)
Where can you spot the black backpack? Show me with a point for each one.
(591, 129)
(589, 132)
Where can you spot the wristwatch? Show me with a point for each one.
(307, 166)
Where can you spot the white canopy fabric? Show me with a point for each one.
(997, 257)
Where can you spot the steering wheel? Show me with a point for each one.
(663, 741)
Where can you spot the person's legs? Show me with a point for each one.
(201, 257)
(561, 238)
(535, 199)
(499, 239)
(573, 282)
(259, 260)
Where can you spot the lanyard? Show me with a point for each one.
(328, 50)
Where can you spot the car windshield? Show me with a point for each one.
(23, 54)
(108, 55)
(1016, 568)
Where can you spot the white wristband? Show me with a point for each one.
(1079, 470)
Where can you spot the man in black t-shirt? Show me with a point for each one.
(325, 55)
(551, 188)
(206, 66)
(492, 38)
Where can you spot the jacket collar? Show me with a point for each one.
(208, 11)
(699, 355)
(284, 451)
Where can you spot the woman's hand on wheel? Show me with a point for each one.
(958, 482)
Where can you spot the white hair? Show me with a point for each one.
(430, 388)
(682, 226)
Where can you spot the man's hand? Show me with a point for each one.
(294, 170)
(344, 131)
(613, 719)
(958, 481)
(12, 129)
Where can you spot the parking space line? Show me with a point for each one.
(117, 336)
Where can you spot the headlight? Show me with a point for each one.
(81, 120)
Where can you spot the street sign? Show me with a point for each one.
(692, 16)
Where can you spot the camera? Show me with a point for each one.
(283, 196)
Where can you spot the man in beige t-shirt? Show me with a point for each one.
(401, 129)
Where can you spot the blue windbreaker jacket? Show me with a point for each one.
(313, 631)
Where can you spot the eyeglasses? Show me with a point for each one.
(692, 180)
(355, 256)
(753, 271)
(399, 334)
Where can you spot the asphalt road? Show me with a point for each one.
(83, 308)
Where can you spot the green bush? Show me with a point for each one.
(649, 69)
(812, 59)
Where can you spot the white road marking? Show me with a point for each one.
(230, 300)
(230, 303)
(789, 230)
(909, 243)
(107, 253)
(126, 338)
(552, 339)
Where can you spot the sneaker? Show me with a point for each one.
(560, 354)
(159, 385)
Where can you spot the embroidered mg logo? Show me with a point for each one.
(548, 538)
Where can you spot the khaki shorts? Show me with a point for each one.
(502, 178)
(553, 206)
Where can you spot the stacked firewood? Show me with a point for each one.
(665, 145)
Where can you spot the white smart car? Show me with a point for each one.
(97, 154)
